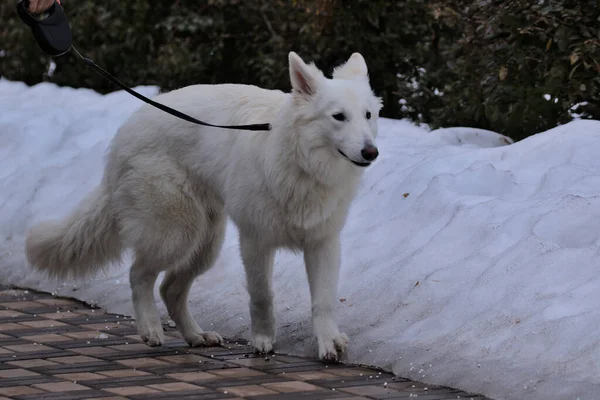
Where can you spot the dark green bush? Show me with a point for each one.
(484, 64)
(508, 56)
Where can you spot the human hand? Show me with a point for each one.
(39, 6)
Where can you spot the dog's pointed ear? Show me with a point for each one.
(354, 68)
(304, 78)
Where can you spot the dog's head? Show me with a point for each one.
(339, 115)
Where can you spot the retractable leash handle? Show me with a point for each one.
(53, 35)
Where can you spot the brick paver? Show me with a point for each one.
(61, 349)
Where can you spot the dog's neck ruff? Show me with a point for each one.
(319, 162)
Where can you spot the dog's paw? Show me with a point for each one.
(207, 339)
(152, 336)
(262, 343)
(330, 350)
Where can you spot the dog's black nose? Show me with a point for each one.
(369, 152)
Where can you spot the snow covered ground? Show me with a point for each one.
(468, 262)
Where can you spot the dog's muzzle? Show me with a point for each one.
(358, 163)
(369, 153)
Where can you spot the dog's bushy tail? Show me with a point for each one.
(79, 245)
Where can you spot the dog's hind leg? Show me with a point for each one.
(163, 220)
(176, 285)
(258, 263)
(142, 277)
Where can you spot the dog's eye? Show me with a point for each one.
(339, 116)
(368, 115)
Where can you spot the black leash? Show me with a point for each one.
(53, 35)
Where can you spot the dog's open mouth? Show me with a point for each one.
(360, 164)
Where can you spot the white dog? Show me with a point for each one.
(169, 186)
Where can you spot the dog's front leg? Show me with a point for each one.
(258, 263)
(323, 268)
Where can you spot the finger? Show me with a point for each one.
(44, 5)
(33, 5)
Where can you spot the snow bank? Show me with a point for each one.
(465, 263)
(471, 136)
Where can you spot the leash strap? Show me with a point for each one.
(172, 111)
(53, 35)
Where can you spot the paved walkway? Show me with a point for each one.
(61, 349)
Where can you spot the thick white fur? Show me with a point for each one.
(169, 185)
